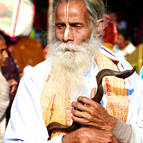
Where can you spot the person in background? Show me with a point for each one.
(60, 88)
(140, 32)
(11, 73)
(4, 87)
(110, 32)
(123, 45)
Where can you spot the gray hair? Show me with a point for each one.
(95, 9)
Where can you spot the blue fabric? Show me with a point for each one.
(141, 73)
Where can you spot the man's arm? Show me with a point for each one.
(4, 95)
(123, 132)
(26, 123)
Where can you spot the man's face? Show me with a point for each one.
(3, 52)
(72, 22)
(121, 41)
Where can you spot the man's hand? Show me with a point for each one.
(13, 85)
(89, 135)
(89, 112)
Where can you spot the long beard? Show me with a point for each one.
(70, 63)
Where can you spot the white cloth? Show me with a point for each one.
(4, 102)
(4, 95)
(26, 123)
(130, 48)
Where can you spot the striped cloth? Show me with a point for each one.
(56, 107)
(117, 101)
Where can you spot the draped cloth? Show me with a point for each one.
(4, 103)
(58, 108)
(4, 95)
(117, 101)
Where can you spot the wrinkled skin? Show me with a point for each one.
(89, 135)
(13, 85)
(93, 114)
(76, 19)
(89, 112)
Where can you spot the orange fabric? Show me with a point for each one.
(115, 88)
(56, 108)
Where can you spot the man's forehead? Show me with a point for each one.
(79, 4)
(71, 1)
(2, 41)
(75, 6)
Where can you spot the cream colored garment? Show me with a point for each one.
(2, 128)
(4, 102)
(4, 95)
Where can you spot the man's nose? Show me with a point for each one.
(68, 35)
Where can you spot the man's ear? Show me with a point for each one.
(100, 27)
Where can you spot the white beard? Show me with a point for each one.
(70, 63)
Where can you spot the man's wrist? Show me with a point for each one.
(122, 131)
(113, 123)
(70, 137)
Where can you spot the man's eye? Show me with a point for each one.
(76, 25)
(60, 26)
(2, 50)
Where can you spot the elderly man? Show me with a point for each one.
(4, 87)
(68, 76)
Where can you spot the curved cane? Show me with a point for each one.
(99, 94)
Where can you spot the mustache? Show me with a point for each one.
(63, 47)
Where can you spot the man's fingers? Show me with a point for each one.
(13, 89)
(80, 114)
(88, 106)
(93, 92)
(80, 120)
(79, 106)
(86, 101)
